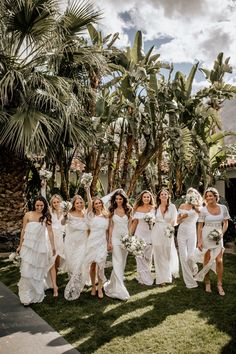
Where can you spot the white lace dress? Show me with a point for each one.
(144, 262)
(211, 222)
(96, 251)
(75, 248)
(187, 239)
(115, 287)
(36, 260)
(164, 250)
(58, 231)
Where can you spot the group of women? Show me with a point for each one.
(78, 242)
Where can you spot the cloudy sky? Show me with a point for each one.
(183, 31)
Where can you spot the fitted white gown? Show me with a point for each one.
(115, 287)
(36, 260)
(164, 250)
(75, 248)
(144, 262)
(187, 239)
(211, 222)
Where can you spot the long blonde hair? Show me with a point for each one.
(51, 201)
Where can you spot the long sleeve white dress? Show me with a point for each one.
(164, 250)
(187, 239)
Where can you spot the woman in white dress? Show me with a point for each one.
(119, 224)
(76, 237)
(213, 216)
(36, 257)
(57, 228)
(188, 214)
(164, 250)
(144, 206)
(97, 246)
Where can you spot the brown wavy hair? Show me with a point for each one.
(45, 212)
(139, 201)
(125, 204)
(159, 201)
(214, 191)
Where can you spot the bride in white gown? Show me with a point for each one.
(165, 254)
(36, 256)
(58, 228)
(144, 206)
(120, 220)
(75, 246)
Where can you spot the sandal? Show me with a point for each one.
(220, 289)
(208, 287)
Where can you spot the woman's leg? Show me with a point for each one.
(57, 263)
(93, 278)
(219, 271)
(100, 285)
(207, 258)
(53, 275)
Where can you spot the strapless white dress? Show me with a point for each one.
(36, 261)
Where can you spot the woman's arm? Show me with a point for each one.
(181, 216)
(109, 236)
(199, 235)
(225, 226)
(51, 238)
(89, 198)
(25, 221)
(133, 225)
(64, 219)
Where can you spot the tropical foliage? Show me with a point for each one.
(67, 91)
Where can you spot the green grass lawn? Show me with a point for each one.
(171, 320)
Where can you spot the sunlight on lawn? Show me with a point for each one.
(132, 314)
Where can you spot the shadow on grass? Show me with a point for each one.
(94, 322)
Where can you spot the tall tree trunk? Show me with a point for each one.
(96, 173)
(13, 204)
(118, 158)
(128, 155)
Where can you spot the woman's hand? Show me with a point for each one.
(199, 245)
(53, 251)
(18, 249)
(109, 246)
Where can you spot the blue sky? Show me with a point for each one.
(183, 31)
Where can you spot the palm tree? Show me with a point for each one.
(39, 105)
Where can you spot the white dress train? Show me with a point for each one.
(187, 239)
(115, 287)
(36, 260)
(75, 248)
(211, 222)
(144, 262)
(164, 250)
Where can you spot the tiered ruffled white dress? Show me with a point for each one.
(115, 287)
(96, 246)
(164, 250)
(211, 222)
(58, 231)
(187, 239)
(36, 260)
(75, 248)
(144, 262)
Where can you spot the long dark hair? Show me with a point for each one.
(125, 204)
(46, 214)
(139, 200)
(159, 201)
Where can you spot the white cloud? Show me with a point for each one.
(198, 30)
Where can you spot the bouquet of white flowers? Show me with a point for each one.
(215, 235)
(192, 199)
(86, 179)
(45, 174)
(169, 231)
(150, 220)
(15, 258)
(66, 206)
(133, 245)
